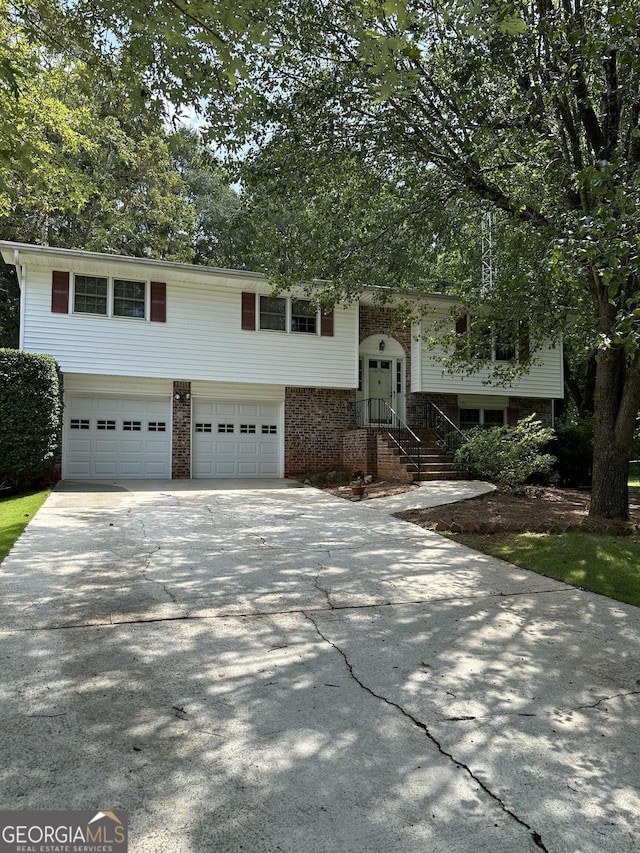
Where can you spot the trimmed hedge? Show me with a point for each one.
(30, 417)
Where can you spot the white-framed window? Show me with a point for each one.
(486, 417)
(488, 342)
(288, 314)
(304, 317)
(129, 298)
(273, 313)
(90, 294)
(110, 297)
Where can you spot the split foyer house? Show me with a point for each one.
(174, 371)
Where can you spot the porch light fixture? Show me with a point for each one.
(381, 345)
(180, 396)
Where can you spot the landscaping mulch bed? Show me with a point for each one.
(378, 489)
(542, 510)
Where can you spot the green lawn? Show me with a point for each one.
(634, 474)
(609, 565)
(15, 514)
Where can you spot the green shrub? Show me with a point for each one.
(30, 416)
(508, 456)
(573, 449)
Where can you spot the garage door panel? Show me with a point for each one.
(244, 439)
(111, 437)
(102, 446)
(221, 448)
(225, 469)
(105, 469)
(79, 469)
(80, 445)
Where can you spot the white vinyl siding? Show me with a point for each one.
(544, 380)
(202, 338)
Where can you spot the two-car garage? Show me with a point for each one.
(120, 436)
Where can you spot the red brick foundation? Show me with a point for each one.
(315, 421)
(359, 451)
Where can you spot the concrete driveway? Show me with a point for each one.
(259, 667)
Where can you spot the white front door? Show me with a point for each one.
(380, 389)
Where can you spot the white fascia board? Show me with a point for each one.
(148, 268)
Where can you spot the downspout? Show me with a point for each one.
(21, 274)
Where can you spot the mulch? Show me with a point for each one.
(541, 510)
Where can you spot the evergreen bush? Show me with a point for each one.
(30, 417)
(508, 456)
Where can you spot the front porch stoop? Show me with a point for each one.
(434, 463)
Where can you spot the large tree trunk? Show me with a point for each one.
(617, 397)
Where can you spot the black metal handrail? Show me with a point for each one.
(448, 435)
(377, 413)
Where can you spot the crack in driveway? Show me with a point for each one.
(166, 590)
(535, 836)
(325, 592)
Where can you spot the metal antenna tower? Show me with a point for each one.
(488, 237)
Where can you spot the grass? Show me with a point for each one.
(609, 565)
(634, 474)
(15, 513)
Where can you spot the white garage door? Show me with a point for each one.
(236, 439)
(116, 437)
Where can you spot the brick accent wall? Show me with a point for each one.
(448, 403)
(181, 436)
(524, 406)
(359, 451)
(389, 465)
(517, 408)
(315, 420)
(383, 321)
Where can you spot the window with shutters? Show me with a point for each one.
(284, 314)
(112, 297)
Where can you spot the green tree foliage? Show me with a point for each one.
(527, 108)
(94, 169)
(30, 416)
(222, 235)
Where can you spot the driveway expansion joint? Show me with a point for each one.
(535, 836)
